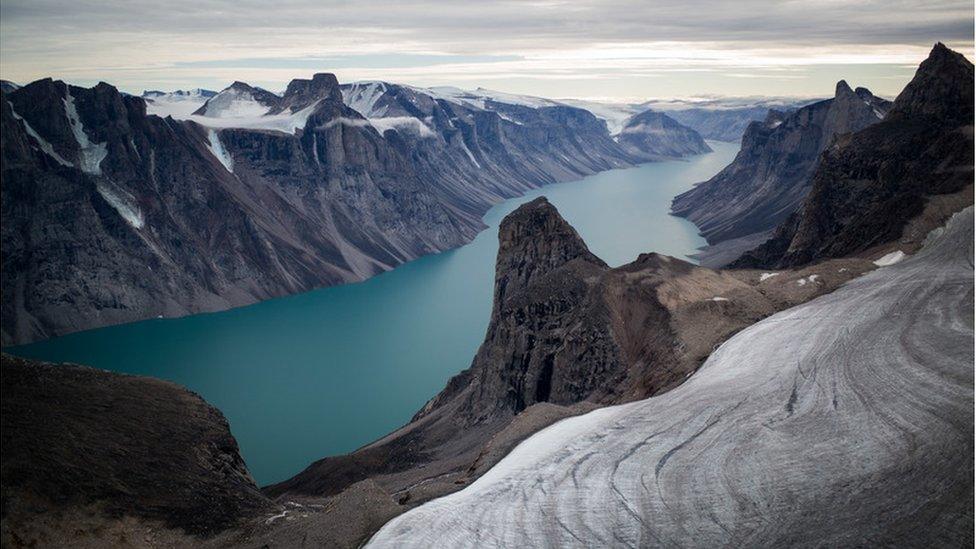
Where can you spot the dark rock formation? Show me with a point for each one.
(769, 177)
(655, 135)
(869, 185)
(111, 215)
(127, 446)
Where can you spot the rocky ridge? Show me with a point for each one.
(871, 184)
(770, 175)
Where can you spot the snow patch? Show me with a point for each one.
(890, 259)
(123, 203)
(284, 122)
(363, 96)
(719, 299)
(90, 155)
(465, 148)
(46, 147)
(766, 276)
(811, 279)
(218, 150)
(179, 105)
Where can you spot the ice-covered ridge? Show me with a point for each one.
(90, 155)
(218, 150)
(614, 114)
(363, 96)
(235, 103)
(46, 147)
(285, 122)
(178, 104)
(122, 202)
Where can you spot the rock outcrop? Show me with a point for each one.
(124, 447)
(770, 175)
(869, 185)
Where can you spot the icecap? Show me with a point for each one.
(41, 142)
(809, 427)
(90, 155)
(176, 104)
(890, 259)
(614, 114)
(766, 276)
(218, 150)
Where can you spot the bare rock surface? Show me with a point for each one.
(84, 448)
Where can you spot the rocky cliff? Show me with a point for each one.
(870, 185)
(770, 175)
(78, 440)
(112, 215)
(655, 135)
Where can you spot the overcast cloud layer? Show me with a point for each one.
(619, 50)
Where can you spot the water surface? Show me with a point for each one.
(324, 372)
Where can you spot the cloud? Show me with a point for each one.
(139, 44)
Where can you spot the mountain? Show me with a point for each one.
(566, 334)
(479, 149)
(870, 187)
(770, 175)
(846, 421)
(178, 104)
(197, 201)
(112, 215)
(656, 135)
(7, 86)
(79, 441)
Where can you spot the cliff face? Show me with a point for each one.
(769, 177)
(126, 446)
(655, 135)
(111, 215)
(869, 185)
(478, 150)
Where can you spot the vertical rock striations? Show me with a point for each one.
(869, 185)
(769, 177)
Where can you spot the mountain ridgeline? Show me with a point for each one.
(113, 214)
(770, 176)
(870, 185)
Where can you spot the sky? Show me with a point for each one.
(620, 50)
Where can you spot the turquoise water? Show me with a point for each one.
(325, 372)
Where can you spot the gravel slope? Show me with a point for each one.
(844, 421)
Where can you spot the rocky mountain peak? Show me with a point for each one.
(939, 89)
(843, 89)
(301, 92)
(533, 241)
